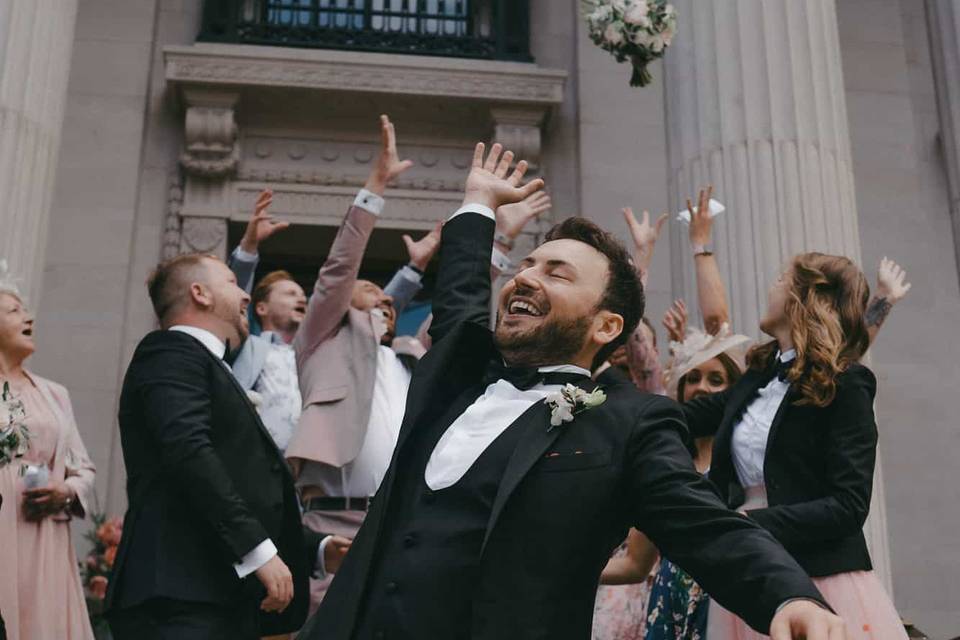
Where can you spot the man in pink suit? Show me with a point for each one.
(353, 375)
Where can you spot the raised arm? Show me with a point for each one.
(408, 280)
(891, 289)
(645, 238)
(711, 292)
(244, 258)
(334, 287)
(463, 282)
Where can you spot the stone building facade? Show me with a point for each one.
(824, 124)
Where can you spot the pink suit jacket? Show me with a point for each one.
(336, 350)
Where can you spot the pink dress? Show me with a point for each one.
(620, 611)
(857, 596)
(41, 596)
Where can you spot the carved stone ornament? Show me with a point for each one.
(211, 149)
(171, 226)
(518, 129)
(204, 235)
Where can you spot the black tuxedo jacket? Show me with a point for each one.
(569, 493)
(205, 485)
(818, 469)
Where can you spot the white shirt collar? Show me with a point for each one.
(210, 341)
(272, 337)
(564, 368)
(788, 355)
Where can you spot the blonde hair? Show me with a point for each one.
(826, 302)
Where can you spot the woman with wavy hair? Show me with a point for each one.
(796, 440)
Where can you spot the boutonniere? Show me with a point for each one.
(570, 401)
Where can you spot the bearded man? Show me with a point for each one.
(510, 486)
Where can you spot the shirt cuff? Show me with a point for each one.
(410, 274)
(320, 567)
(261, 555)
(243, 256)
(500, 260)
(791, 600)
(369, 201)
(482, 209)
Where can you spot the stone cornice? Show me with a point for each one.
(247, 65)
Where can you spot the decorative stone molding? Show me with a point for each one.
(210, 133)
(209, 64)
(518, 129)
(171, 227)
(326, 204)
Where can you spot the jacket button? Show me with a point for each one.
(275, 467)
(429, 497)
(392, 587)
(410, 540)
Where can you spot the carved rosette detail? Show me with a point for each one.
(204, 235)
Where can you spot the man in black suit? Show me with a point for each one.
(500, 510)
(212, 543)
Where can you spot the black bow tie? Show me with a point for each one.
(782, 369)
(524, 378)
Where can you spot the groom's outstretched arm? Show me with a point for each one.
(463, 287)
(736, 561)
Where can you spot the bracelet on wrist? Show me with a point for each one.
(417, 269)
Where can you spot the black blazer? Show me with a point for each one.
(205, 485)
(557, 518)
(818, 469)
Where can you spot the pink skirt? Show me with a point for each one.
(857, 596)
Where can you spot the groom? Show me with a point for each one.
(491, 522)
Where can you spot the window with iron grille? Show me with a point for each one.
(492, 29)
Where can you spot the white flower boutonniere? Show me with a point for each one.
(570, 401)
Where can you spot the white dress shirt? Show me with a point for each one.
(482, 423)
(361, 477)
(263, 552)
(750, 434)
(277, 385)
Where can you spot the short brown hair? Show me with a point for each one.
(169, 283)
(262, 291)
(623, 293)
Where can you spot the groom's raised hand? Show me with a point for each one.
(488, 183)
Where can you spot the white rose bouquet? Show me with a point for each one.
(14, 434)
(635, 30)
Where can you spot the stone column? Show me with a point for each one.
(36, 40)
(755, 105)
(943, 23)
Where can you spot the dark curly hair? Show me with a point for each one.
(623, 293)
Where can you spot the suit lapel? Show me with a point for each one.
(537, 438)
(252, 409)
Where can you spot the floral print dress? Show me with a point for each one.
(678, 606)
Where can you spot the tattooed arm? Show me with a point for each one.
(891, 289)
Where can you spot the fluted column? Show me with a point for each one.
(755, 105)
(36, 40)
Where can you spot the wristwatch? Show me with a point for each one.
(503, 239)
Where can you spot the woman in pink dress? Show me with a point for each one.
(41, 596)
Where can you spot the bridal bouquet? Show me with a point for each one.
(635, 30)
(14, 434)
(104, 539)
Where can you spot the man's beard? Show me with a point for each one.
(554, 342)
